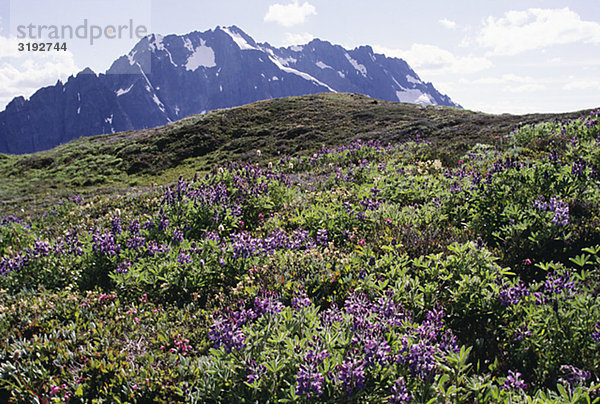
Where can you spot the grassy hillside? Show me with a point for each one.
(276, 127)
(458, 266)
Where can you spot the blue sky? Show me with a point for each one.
(489, 55)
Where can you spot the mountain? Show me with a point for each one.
(163, 79)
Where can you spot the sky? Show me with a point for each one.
(495, 56)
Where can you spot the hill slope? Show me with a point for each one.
(281, 126)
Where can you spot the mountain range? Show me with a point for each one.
(166, 78)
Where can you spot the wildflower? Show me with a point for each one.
(513, 294)
(123, 267)
(309, 381)
(177, 236)
(596, 333)
(184, 258)
(255, 371)
(352, 375)
(574, 376)
(400, 393)
(514, 382)
(115, 226)
(227, 333)
(134, 227)
(322, 237)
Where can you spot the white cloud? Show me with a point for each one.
(297, 39)
(435, 60)
(504, 79)
(511, 83)
(446, 23)
(23, 73)
(290, 14)
(582, 85)
(535, 28)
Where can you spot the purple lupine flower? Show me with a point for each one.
(376, 351)
(300, 300)
(596, 333)
(352, 375)
(213, 236)
(348, 207)
(394, 314)
(561, 211)
(153, 248)
(149, 224)
(361, 216)
(522, 332)
(115, 226)
(226, 333)
(134, 227)
(540, 203)
(105, 244)
(514, 382)
(245, 246)
(300, 239)
(559, 285)
(276, 240)
(400, 393)
(163, 223)
(574, 376)
(267, 305)
(136, 242)
(555, 205)
(177, 236)
(184, 258)
(123, 267)
(332, 315)
(322, 237)
(255, 371)
(421, 359)
(370, 204)
(578, 168)
(40, 249)
(309, 381)
(455, 187)
(5, 221)
(511, 295)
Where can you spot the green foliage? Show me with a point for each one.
(429, 270)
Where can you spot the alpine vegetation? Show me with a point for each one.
(366, 272)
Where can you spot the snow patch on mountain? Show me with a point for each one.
(412, 79)
(305, 76)
(413, 96)
(203, 56)
(188, 44)
(322, 65)
(239, 40)
(361, 68)
(122, 91)
(131, 56)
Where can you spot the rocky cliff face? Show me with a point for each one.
(163, 79)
